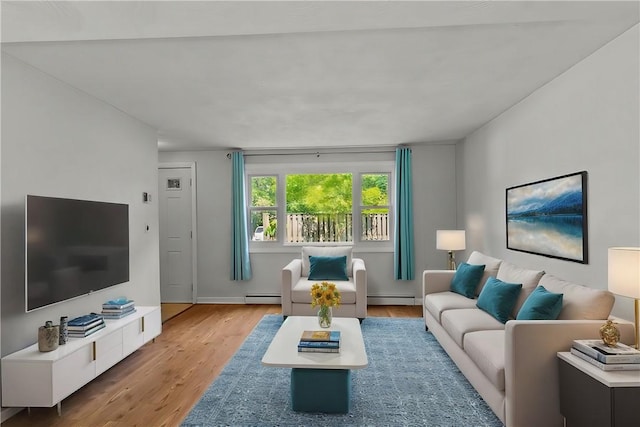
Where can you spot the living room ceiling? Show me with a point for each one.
(309, 74)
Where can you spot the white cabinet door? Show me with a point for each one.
(108, 351)
(152, 325)
(132, 337)
(72, 372)
(26, 383)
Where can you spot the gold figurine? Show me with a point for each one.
(610, 334)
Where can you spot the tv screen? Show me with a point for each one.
(73, 248)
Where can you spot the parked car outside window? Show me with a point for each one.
(258, 234)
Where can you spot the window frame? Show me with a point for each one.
(251, 208)
(389, 206)
(357, 169)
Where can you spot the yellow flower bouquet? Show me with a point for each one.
(325, 295)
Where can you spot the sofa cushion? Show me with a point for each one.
(465, 280)
(486, 349)
(491, 266)
(442, 301)
(529, 279)
(308, 251)
(301, 291)
(579, 302)
(498, 298)
(460, 322)
(328, 268)
(541, 305)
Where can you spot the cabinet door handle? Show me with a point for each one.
(142, 324)
(93, 351)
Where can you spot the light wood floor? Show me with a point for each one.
(158, 384)
(169, 310)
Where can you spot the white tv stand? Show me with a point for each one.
(34, 379)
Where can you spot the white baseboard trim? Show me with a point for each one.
(262, 299)
(7, 413)
(391, 300)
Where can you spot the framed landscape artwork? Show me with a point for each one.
(549, 217)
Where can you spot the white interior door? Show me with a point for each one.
(174, 204)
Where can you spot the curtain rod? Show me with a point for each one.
(315, 153)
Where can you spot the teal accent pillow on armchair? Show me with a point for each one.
(328, 268)
(498, 298)
(541, 305)
(466, 279)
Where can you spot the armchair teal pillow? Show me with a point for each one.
(466, 279)
(328, 268)
(498, 298)
(541, 305)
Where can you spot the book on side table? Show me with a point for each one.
(618, 358)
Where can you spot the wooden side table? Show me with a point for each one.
(590, 396)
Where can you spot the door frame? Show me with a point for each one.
(194, 222)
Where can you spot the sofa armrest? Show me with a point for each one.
(436, 281)
(531, 366)
(290, 275)
(360, 282)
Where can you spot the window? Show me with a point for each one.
(263, 208)
(301, 203)
(319, 208)
(374, 206)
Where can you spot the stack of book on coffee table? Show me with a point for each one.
(319, 342)
(620, 357)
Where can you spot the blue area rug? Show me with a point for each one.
(410, 381)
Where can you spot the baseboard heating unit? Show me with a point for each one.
(391, 300)
(262, 299)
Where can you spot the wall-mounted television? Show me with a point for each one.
(73, 248)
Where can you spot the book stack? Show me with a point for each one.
(84, 326)
(618, 358)
(319, 342)
(118, 308)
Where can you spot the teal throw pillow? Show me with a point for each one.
(328, 268)
(541, 305)
(466, 279)
(498, 298)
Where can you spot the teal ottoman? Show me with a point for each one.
(320, 390)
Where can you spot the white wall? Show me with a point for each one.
(58, 141)
(585, 119)
(434, 207)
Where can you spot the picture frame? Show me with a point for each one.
(549, 217)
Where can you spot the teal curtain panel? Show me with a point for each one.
(240, 263)
(403, 262)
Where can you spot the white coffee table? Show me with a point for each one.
(320, 382)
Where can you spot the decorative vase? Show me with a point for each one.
(48, 336)
(325, 315)
(64, 330)
(610, 334)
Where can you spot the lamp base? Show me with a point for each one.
(452, 261)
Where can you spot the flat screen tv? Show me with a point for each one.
(73, 248)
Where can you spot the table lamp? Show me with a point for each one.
(450, 240)
(624, 277)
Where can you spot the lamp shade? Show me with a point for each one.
(450, 240)
(624, 272)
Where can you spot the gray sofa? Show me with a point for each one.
(514, 366)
